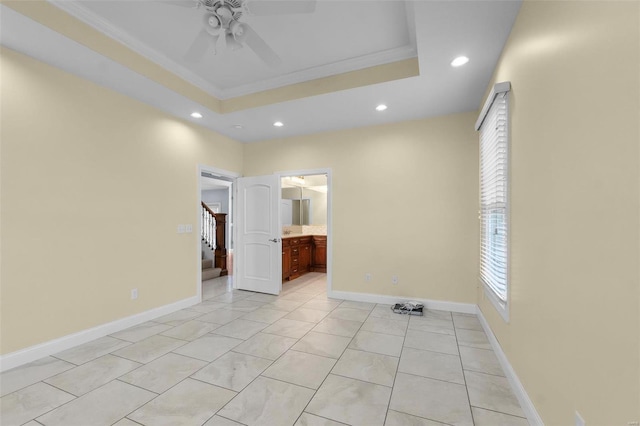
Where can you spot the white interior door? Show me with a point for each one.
(258, 250)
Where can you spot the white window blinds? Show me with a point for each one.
(494, 162)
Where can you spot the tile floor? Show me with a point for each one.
(242, 358)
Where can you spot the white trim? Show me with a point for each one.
(463, 308)
(516, 386)
(328, 172)
(497, 88)
(32, 353)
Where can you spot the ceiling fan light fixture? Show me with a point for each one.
(381, 107)
(459, 61)
(196, 115)
(278, 124)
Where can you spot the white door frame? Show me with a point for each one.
(328, 172)
(218, 172)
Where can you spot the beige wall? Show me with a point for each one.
(574, 333)
(86, 174)
(404, 203)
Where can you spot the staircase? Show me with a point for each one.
(213, 231)
(208, 271)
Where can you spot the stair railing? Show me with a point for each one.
(213, 231)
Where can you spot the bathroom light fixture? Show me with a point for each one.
(278, 124)
(381, 107)
(297, 179)
(459, 61)
(196, 115)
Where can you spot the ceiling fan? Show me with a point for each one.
(222, 25)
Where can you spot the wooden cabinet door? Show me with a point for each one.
(286, 262)
(305, 257)
(319, 254)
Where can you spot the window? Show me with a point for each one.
(494, 196)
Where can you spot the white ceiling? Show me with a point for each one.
(339, 36)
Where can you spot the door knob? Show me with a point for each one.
(274, 240)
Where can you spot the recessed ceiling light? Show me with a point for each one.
(196, 115)
(278, 124)
(238, 126)
(381, 107)
(459, 61)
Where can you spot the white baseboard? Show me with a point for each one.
(523, 398)
(24, 356)
(463, 308)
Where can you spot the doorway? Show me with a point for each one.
(306, 228)
(216, 200)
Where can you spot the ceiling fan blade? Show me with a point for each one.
(199, 46)
(280, 7)
(259, 46)
(191, 4)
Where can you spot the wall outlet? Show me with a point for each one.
(579, 420)
(189, 228)
(394, 280)
(181, 229)
(367, 277)
(134, 294)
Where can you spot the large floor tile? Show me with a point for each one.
(178, 317)
(433, 325)
(207, 306)
(384, 311)
(264, 315)
(92, 375)
(245, 305)
(481, 360)
(240, 329)
(149, 349)
(326, 305)
(298, 297)
(365, 306)
(233, 370)
(261, 297)
(230, 297)
(267, 346)
(92, 350)
(428, 341)
(125, 422)
(189, 403)
(300, 368)
(473, 339)
(306, 314)
(289, 328)
(221, 421)
(307, 419)
(367, 366)
(322, 344)
(268, 402)
(141, 332)
(221, 316)
(379, 343)
(483, 417)
(338, 327)
(351, 401)
(208, 347)
(395, 418)
(284, 305)
(33, 372)
(163, 373)
(30, 402)
(385, 326)
(492, 393)
(430, 364)
(190, 330)
(101, 407)
(431, 399)
(467, 321)
(350, 314)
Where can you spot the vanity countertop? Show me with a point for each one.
(298, 235)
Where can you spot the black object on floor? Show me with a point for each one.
(408, 308)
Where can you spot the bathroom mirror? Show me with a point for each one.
(304, 200)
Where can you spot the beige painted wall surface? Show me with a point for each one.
(93, 186)
(573, 338)
(404, 203)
